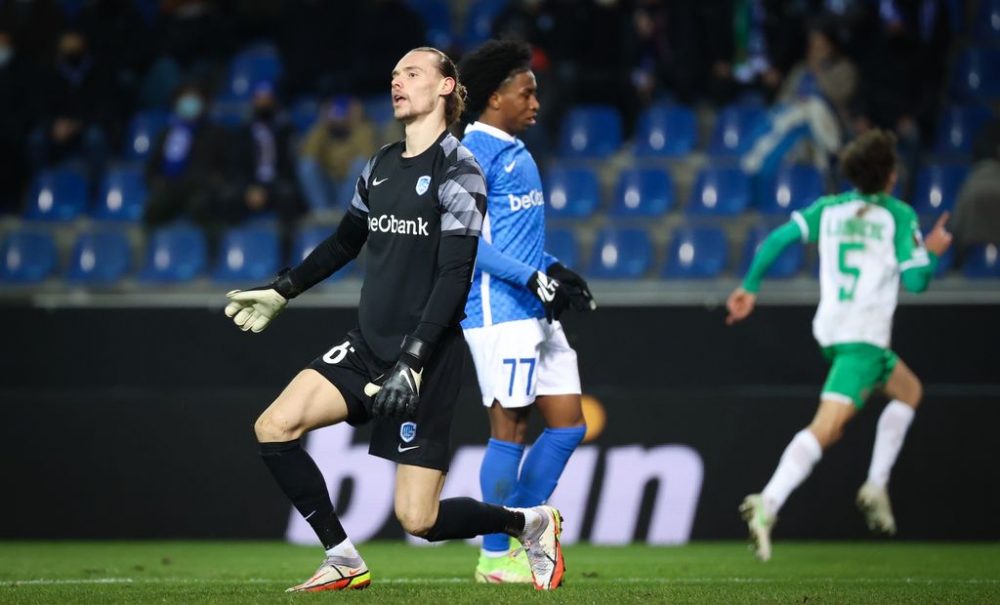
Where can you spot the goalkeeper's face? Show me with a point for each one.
(516, 102)
(418, 88)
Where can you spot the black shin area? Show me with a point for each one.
(463, 518)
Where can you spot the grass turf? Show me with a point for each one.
(722, 572)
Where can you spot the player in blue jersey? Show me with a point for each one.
(518, 292)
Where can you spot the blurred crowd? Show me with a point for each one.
(74, 74)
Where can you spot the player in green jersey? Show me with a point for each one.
(868, 241)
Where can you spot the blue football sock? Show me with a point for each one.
(497, 478)
(544, 464)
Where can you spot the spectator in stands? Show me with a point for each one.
(185, 171)
(339, 137)
(977, 209)
(262, 170)
(80, 108)
(17, 85)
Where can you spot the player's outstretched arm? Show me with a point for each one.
(740, 305)
(741, 302)
(254, 309)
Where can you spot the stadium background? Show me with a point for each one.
(129, 397)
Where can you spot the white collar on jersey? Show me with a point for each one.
(490, 130)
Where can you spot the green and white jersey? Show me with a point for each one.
(865, 242)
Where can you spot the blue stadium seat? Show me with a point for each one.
(561, 243)
(229, 113)
(621, 254)
(982, 262)
(143, 130)
(788, 263)
(572, 192)
(667, 131)
(99, 257)
(307, 239)
(175, 254)
(735, 130)
(987, 22)
(795, 187)
(254, 65)
(27, 257)
(378, 109)
(303, 113)
(479, 18)
(437, 21)
(645, 192)
(248, 254)
(937, 187)
(976, 74)
(590, 131)
(721, 190)
(123, 195)
(696, 253)
(958, 127)
(57, 194)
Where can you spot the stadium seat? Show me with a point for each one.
(735, 130)
(590, 131)
(436, 15)
(27, 257)
(721, 189)
(254, 65)
(304, 113)
(229, 113)
(788, 263)
(643, 192)
(667, 131)
(175, 254)
(696, 253)
(987, 22)
(572, 192)
(958, 127)
(378, 109)
(57, 194)
(123, 195)
(479, 18)
(143, 130)
(248, 254)
(976, 74)
(99, 257)
(982, 262)
(621, 254)
(795, 187)
(307, 239)
(937, 187)
(561, 243)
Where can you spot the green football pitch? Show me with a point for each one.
(710, 572)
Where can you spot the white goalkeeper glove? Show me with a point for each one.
(256, 308)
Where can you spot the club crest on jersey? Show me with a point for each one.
(423, 183)
(408, 430)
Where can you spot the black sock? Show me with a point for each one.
(303, 483)
(463, 518)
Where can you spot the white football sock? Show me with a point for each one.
(344, 549)
(796, 463)
(892, 426)
(532, 520)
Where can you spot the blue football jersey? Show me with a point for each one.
(514, 225)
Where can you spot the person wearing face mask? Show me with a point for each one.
(332, 146)
(186, 170)
(16, 115)
(262, 172)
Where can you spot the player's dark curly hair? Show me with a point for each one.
(485, 69)
(454, 105)
(869, 160)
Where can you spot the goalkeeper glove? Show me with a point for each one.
(553, 294)
(580, 298)
(255, 308)
(396, 394)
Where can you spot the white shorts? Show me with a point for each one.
(517, 361)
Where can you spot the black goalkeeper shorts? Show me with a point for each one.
(422, 441)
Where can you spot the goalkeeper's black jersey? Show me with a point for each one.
(409, 204)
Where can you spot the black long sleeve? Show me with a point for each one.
(456, 260)
(332, 253)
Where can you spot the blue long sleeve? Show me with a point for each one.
(500, 265)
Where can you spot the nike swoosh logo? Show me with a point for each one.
(510, 167)
(377, 182)
(401, 449)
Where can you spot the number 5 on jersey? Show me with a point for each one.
(850, 271)
(527, 373)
